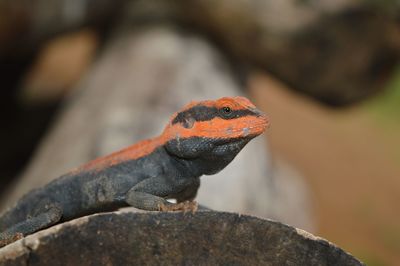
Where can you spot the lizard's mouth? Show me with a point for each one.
(227, 147)
(235, 140)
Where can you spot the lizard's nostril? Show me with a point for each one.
(257, 112)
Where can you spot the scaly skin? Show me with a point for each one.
(201, 139)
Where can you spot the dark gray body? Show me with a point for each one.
(160, 173)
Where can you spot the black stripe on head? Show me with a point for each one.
(198, 113)
(205, 113)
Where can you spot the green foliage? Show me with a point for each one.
(371, 259)
(387, 105)
(391, 238)
(385, 110)
(387, 6)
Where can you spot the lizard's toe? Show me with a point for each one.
(190, 206)
(182, 206)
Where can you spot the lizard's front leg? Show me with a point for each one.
(150, 195)
(189, 193)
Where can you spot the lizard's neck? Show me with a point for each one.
(201, 165)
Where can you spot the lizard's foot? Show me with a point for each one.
(15, 237)
(182, 206)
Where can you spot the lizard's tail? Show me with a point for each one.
(10, 217)
(5, 221)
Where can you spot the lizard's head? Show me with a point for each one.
(214, 129)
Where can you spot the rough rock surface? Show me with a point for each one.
(151, 238)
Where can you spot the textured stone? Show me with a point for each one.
(203, 238)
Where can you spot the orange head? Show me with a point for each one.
(212, 126)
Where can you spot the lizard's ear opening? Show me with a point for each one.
(188, 122)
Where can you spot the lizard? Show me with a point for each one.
(201, 139)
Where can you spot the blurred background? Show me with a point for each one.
(81, 78)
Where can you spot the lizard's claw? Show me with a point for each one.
(189, 206)
(182, 206)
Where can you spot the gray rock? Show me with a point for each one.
(203, 238)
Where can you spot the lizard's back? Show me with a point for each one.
(86, 190)
(96, 186)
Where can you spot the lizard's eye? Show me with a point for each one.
(226, 111)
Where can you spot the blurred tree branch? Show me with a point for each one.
(338, 52)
